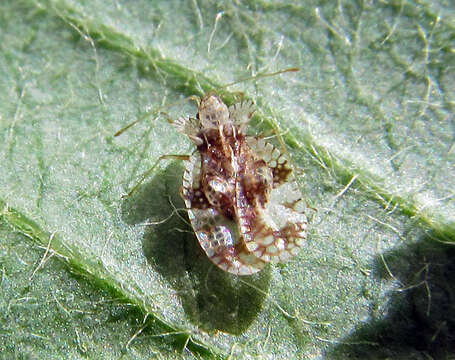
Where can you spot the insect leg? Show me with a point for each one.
(147, 173)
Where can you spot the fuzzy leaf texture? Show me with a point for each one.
(368, 122)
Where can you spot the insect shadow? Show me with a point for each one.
(212, 299)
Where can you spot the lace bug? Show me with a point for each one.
(243, 205)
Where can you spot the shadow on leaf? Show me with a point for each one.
(212, 299)
(419, 321)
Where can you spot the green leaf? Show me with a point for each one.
(368, 118)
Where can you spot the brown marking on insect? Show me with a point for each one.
(274, 159)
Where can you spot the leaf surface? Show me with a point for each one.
(368, 118)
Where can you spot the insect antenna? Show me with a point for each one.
(259, 76)
(156, 111)
(161, 109)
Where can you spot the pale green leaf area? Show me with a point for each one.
(52, 312)
(368, 122)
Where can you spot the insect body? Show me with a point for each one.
(242, 205)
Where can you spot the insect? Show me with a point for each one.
(242, 201)
(244, 207)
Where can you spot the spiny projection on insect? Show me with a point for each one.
(244, 205)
